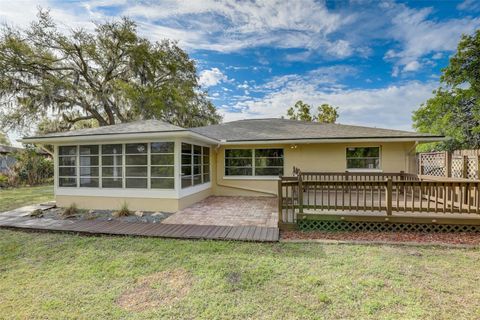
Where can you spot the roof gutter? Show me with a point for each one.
(337, 140)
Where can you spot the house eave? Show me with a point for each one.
(334, 140)
(117, 136)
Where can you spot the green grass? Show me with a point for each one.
(19, 197)
(61, 276)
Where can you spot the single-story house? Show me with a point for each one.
(153, 165)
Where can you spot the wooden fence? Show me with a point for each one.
(383, 194)
(461, 164)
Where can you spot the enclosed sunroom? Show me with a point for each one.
(167, 169)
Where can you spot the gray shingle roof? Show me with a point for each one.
(249, 130)
(142, 126)
(283, 129)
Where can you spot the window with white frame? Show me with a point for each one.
(89, 166)
(254, 162)
(136, 165)
(206, 164)
(195, 165)
(366, 158)
(112, 166)
(162, 165)
(67, 166)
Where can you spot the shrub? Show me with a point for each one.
(70, 210)
(3, 181)
(124, 211)
(32, 168)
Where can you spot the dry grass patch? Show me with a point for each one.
(156, 290)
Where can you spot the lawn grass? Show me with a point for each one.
(64, 276)
(19, 197)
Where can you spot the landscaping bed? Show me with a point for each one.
(444, 238)
(101, 215)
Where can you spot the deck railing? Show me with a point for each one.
(384, 194)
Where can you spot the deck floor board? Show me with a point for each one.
(186, 231)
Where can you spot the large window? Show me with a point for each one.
(112, 168)
(253, 162)
(195, 165)
(67, 166)
(162, 165)
(363, 158)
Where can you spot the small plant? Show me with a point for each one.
(124, 211)
(70, 210)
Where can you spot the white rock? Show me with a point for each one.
(139, 213)
(157, 214)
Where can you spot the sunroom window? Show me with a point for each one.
(366, 158)
(253, 162)
(112, 170)
(89, 168)
(195, 165)
(136, 165)
(67, 166)
(162, 165)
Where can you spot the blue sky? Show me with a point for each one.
(376, 60)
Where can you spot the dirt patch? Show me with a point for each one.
(447, 238)
(156, 290)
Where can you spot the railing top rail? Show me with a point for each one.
(352, 173)
(294, 180)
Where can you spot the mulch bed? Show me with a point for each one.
(440, 238)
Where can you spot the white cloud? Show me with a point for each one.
(418, 35)
(228, 26)
(211, 77)
(412, 66)
(390, 106)
(470, 5)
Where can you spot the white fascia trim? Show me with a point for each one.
(268, 178)
(195, 189)
(308, 141)
(119, 137)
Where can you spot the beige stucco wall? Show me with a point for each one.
(145, 204)
(112, 203)
(328, 157)
(191, 199)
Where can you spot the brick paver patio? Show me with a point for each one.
(229, 211)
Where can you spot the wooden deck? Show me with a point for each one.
(179, 231)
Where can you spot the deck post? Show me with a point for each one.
(300, 194)
(388, 196)
(280, 200)
(465, 167)
(478, 168)
(448, 164)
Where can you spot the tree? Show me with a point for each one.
(4, 139)
(454, 111)
(103, 77)
(327, 113)
(302, 111)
